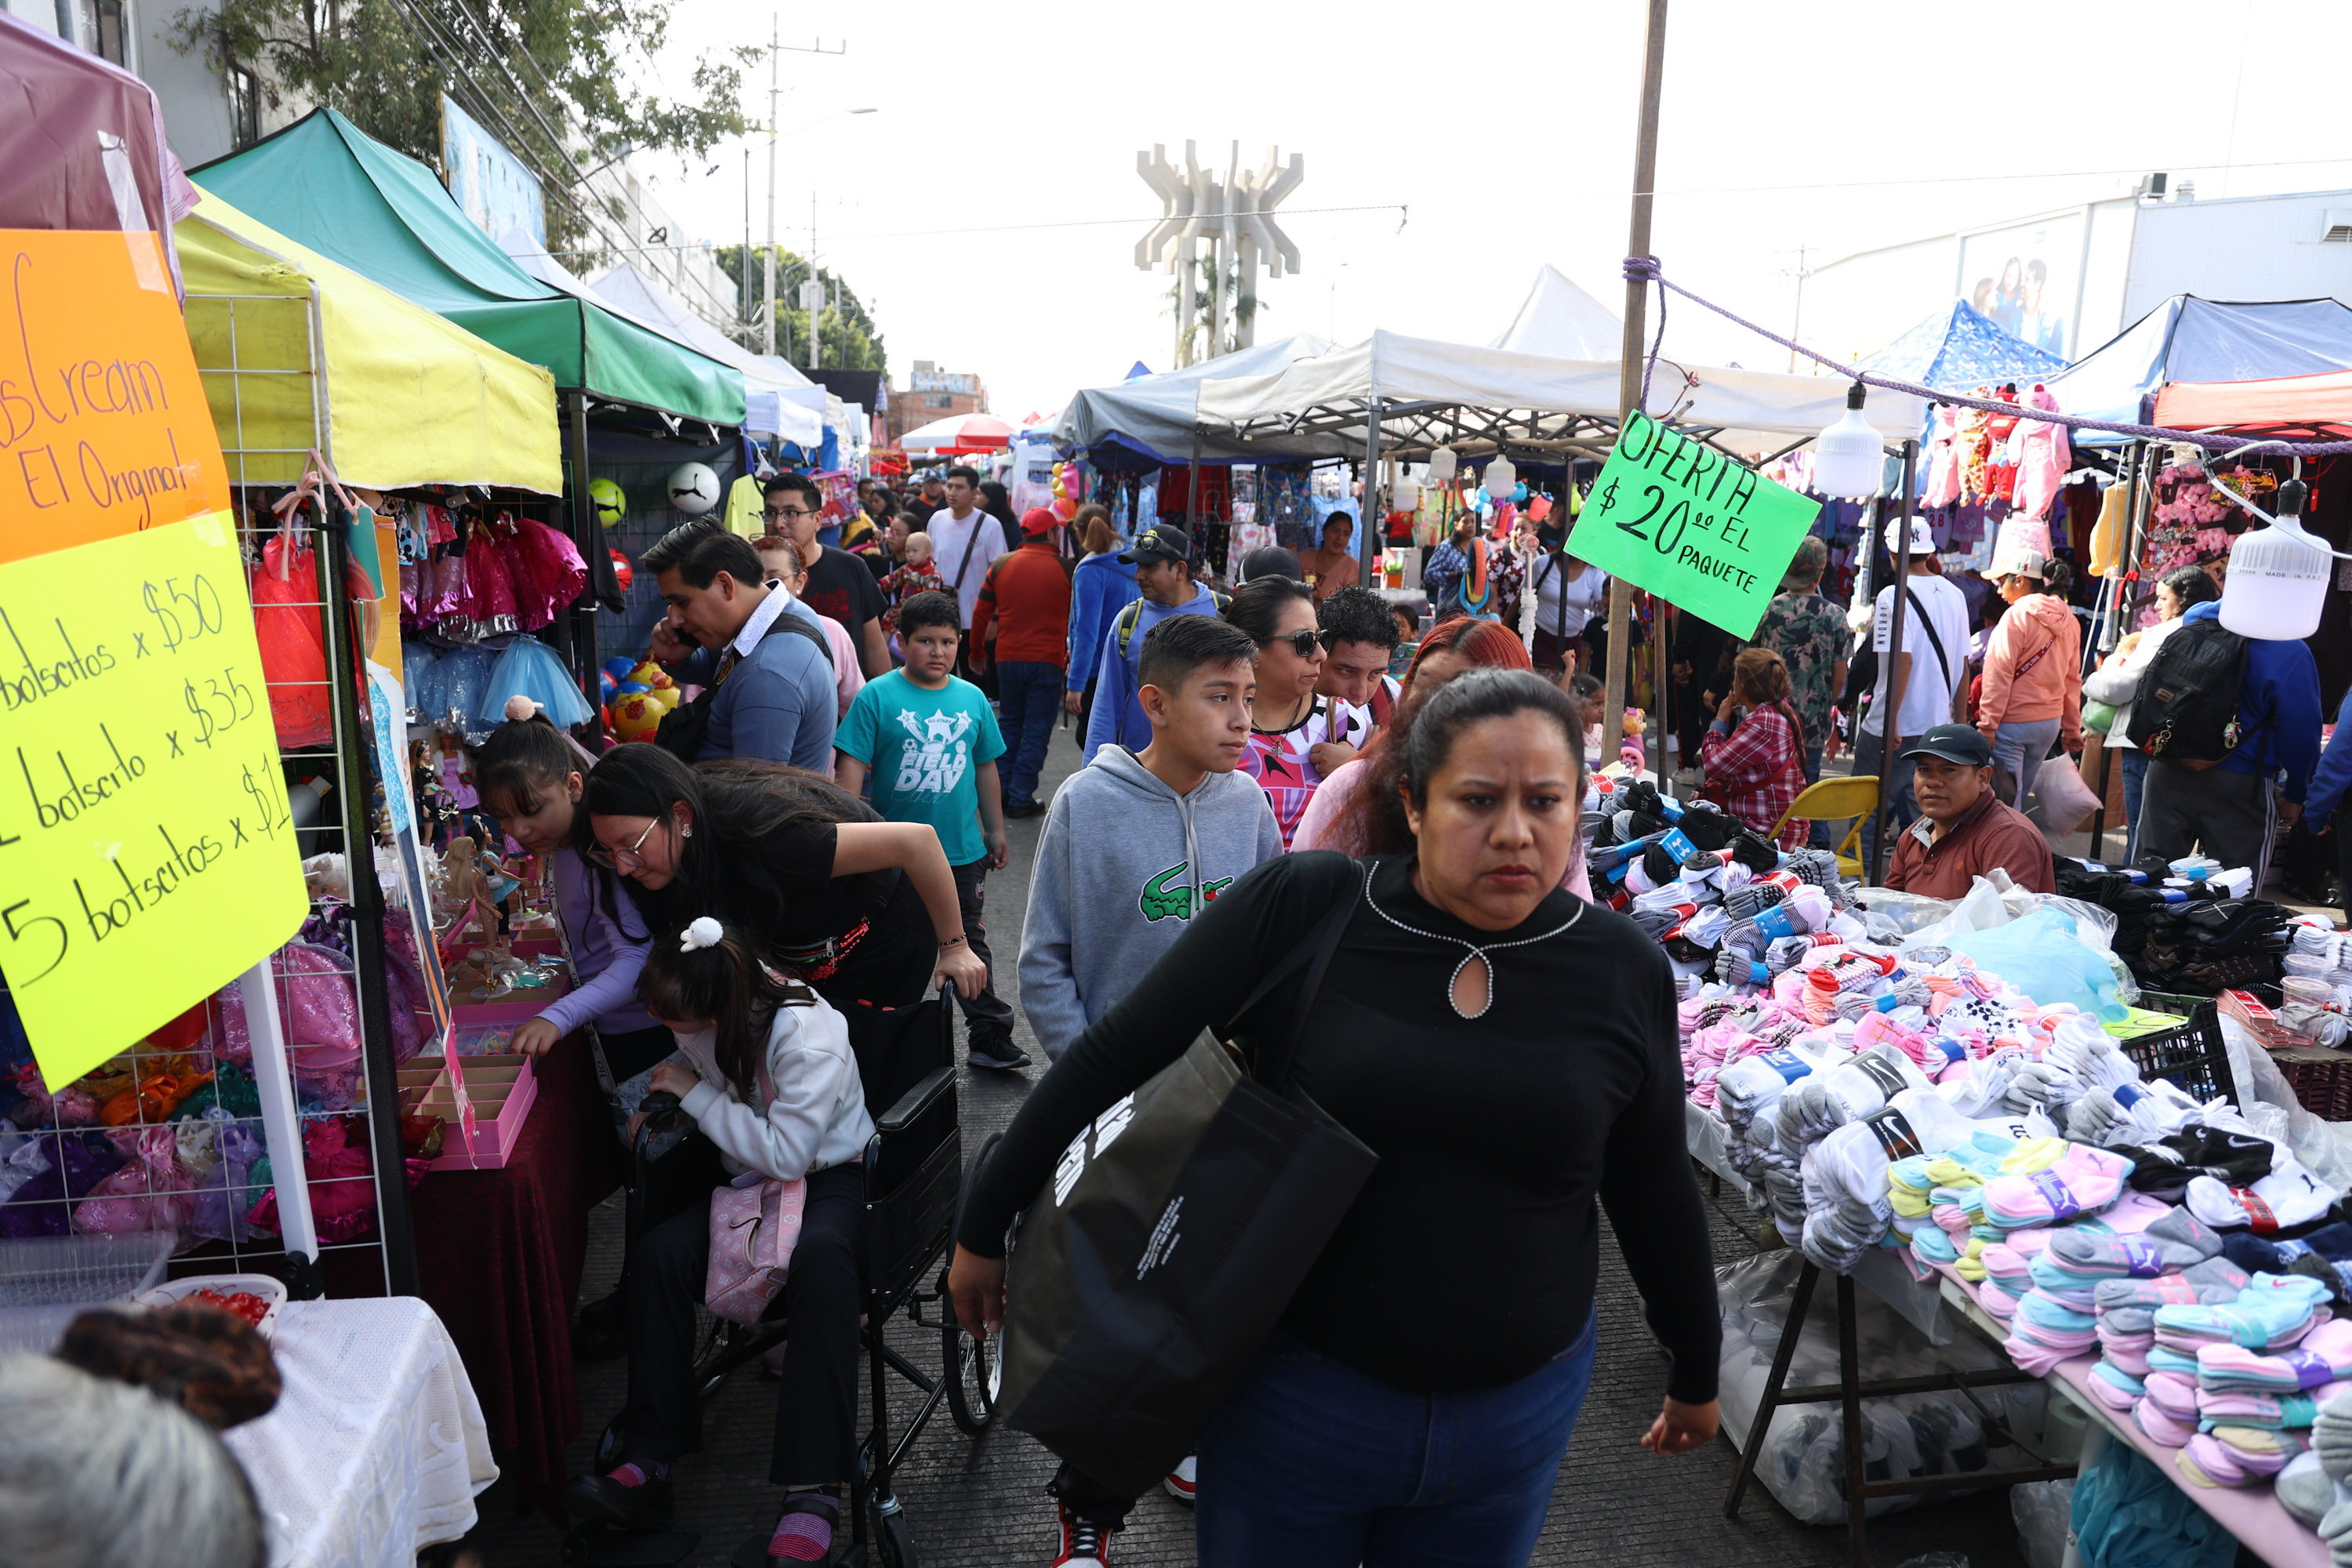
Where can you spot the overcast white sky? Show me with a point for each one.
(1505, 131)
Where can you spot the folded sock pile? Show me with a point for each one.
(2236, 1455)
(2082, 1179)
(2289, 1195)
(2270, 1314)
(2322, 1357)
(2211, 1282)
(2262, 1254)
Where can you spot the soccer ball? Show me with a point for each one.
(610, 503)
(693, 488)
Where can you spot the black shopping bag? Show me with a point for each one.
(1151, 1268)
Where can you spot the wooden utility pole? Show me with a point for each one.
(1629, 396)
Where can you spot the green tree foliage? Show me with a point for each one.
(551, 78)
(1242, 307)
(851, 341)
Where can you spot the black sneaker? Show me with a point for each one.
(1020, 808)
(1003, 1055)
(603, 1500)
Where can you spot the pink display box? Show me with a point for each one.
(503, 1089)
(515, 1010)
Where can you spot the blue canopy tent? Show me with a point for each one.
(2189, 339)
(1960, 348)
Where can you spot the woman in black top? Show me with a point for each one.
(1510, 1054)
(866, 909)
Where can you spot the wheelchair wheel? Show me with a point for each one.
(609, 1442)
(975, 1373)
(895, 1542)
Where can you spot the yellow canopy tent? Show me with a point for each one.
(298, 351)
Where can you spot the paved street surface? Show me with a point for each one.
(982, 1502)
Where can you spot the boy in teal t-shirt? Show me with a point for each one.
(928, 743)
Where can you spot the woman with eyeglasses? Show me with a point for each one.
(1287, 719)
(864, 910)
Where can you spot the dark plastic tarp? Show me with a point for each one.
(2189, 339)
(325, 183)
(1960, 348)
(71, 126)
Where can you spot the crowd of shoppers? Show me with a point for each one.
(810, 854)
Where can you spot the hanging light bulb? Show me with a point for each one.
(1848, 456)
(2278, 575)
(1440, 466)
(1404, 495)
(1500, 478)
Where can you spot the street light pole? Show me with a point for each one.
(768, 267)
(1629, 380)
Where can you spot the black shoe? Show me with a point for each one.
(602, 1331)
(1002, 1054)
(1019, 808)
(603, 1500)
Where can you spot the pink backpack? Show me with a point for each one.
(754, 1228)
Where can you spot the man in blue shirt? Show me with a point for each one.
(2234, 810)
(1163, 560)
(771, 685)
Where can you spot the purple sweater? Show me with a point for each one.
(607, 956)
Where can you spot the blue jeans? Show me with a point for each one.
(2134, 765)
(2021, 749)
(1028, 698)
(1314, 1465)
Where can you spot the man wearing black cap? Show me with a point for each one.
(1163, 560)
(1963, 830)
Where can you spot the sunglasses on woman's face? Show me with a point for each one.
(1303, 644)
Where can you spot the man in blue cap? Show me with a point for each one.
(1162, 559)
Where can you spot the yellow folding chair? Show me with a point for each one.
(1834, 800)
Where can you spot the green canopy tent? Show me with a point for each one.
(327, 185)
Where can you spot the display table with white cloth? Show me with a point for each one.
(377, 1445)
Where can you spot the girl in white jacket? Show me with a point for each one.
(768, 1077)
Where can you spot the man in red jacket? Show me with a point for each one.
(1026, 599)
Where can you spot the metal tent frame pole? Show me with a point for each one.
(1629, 380)
(1848, 1393)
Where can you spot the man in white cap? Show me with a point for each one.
(1927, 670)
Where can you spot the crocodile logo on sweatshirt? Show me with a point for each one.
(1160, 901)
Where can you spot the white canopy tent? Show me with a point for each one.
(1424, 394)
(1561, 321)
(778, 400)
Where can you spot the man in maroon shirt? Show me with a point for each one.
(1026, 599)
(1963, 829)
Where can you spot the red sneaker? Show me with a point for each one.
(1085, 1542)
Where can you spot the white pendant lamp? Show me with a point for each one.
(1404, 495)
(1442, 466)
(1500, 478)
(1848, 458)
(2278, 575)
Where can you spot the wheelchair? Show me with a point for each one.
(913, 1172)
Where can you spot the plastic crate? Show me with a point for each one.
(2192, 1057)
(47, 1281)
(2321, 1078)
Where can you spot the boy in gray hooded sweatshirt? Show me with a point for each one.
(1135, 842)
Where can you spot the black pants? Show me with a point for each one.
(2227, 814)
(986, 1017)
(816, 1406)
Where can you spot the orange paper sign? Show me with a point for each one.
(104, 429)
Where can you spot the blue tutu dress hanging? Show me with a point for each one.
(530, 669)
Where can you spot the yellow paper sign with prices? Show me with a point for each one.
(147, 854)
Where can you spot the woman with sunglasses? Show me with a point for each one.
(1287, 719)
(864, 910)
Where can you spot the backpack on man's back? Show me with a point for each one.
(2185, 708)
